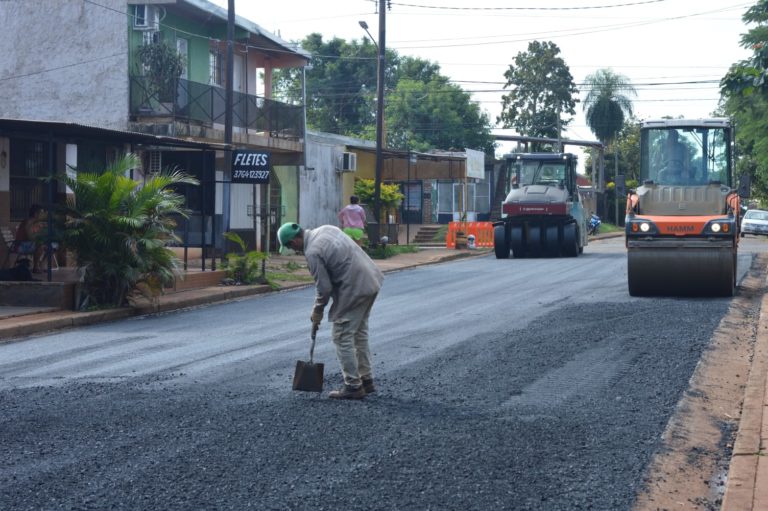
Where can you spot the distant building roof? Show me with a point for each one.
(74, 131)
(250, 26)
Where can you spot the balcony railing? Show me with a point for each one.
(205, 104)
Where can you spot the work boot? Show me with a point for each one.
(368, 386)
(347, 392)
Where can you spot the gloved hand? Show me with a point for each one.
(315, 326)
(317, 316)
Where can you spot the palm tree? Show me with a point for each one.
(606, 107)
(120, 229)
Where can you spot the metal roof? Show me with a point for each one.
(74, 131)
(565, 141)
(711, 122)
(396, 153)
(250, 26)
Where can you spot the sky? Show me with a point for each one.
(673, 51)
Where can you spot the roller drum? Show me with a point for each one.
(533, 240)
(570, 241)
(681, 272)
(552, 241)
(516, 241)
(501, 242)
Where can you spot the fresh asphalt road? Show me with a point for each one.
(506, 384)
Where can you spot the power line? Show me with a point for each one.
(65, 66)
(577, 8)
(583, 30)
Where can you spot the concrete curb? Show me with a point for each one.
(747, 486)
(204, 296)
(22, 326)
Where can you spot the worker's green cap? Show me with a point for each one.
(286, 233)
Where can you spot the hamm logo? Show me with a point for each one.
(680, 229)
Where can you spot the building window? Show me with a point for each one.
(140, 16)
(146, 17)
(214, 59)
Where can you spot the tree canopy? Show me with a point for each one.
(541, 92)
(435, 114)
(745, 91)
(423, 110)
(607, 103)
(627, 146)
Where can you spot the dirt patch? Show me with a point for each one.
(690, 470)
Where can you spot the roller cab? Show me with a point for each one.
(682, 221)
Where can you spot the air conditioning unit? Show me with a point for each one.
(152, 36)
(146, 17)
(347, 162)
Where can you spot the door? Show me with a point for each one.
(239, 114)
(460, 202)
(410, 208)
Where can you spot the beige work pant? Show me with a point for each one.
(350, 335)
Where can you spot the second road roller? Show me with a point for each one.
(543, 213)
(682, 221)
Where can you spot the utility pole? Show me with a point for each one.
(379, 119)
(616, 182)
(228, 99)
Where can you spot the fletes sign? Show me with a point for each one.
(250, 167)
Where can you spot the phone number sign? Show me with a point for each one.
(250, 167)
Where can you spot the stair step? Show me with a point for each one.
(425, 236)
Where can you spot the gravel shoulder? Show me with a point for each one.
(692, 464)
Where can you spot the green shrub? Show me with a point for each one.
(384, 252)
(120, 230)
(245, 267)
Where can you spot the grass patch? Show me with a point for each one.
(605, 227)
(292, 266)
(276, 275)
(441, 234)
(391, 250)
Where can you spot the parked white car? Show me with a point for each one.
(755, 221)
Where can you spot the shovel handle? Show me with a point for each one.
(312, 351)
(312, 345)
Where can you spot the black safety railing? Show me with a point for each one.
(205, 104)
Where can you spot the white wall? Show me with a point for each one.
(65, 60)
(320, 186)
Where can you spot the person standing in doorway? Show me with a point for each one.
(342, 272)
(28, 236)
(352, 219)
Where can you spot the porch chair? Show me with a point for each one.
(22, 249)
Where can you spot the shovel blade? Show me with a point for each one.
(308, 377)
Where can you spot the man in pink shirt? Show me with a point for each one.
(352, 219)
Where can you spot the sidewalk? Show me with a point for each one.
(747, 485)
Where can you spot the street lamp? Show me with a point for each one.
(380, 47)
(364, 26)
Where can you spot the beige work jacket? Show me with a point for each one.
(342, 270)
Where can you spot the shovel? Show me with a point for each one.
(309, 376)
